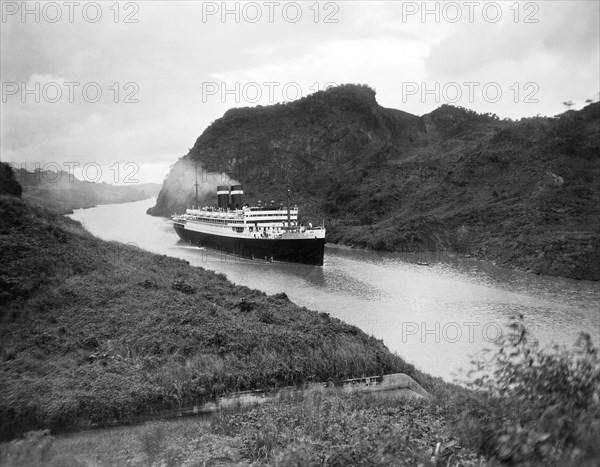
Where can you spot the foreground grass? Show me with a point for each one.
(95, 332)
(313, 428)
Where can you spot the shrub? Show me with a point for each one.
(534, 406)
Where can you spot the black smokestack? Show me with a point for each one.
(237, 196)
(223, 196)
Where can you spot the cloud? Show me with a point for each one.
(558, 55)
(568, 30)
(163, 60)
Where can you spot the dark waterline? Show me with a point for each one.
(436, 316)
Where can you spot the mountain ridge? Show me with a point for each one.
(520, 193)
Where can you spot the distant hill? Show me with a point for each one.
(521, 193)
(62, 192)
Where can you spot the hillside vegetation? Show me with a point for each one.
(521, 193)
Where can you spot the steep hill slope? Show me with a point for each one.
(522, 193)
(94, 331)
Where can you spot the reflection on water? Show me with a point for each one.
(434, 316)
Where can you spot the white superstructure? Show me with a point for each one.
(248, 222)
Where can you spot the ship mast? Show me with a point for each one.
(288, 206)
(287, 179)
(196, 184)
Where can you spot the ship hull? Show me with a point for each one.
(305, 251)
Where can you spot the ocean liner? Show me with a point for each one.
(263, 232)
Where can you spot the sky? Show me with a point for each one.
(118, 91)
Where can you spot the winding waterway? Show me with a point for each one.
(436, 316)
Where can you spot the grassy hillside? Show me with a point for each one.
(98, 331)
(63, 193)
(521, 193)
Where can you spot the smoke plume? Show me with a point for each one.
(179, 186)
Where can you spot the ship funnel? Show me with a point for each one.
(237, 196)
(223, 196)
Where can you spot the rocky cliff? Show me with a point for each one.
(521, 193)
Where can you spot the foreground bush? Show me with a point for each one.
(534, 406)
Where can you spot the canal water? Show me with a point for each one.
(437, 316)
